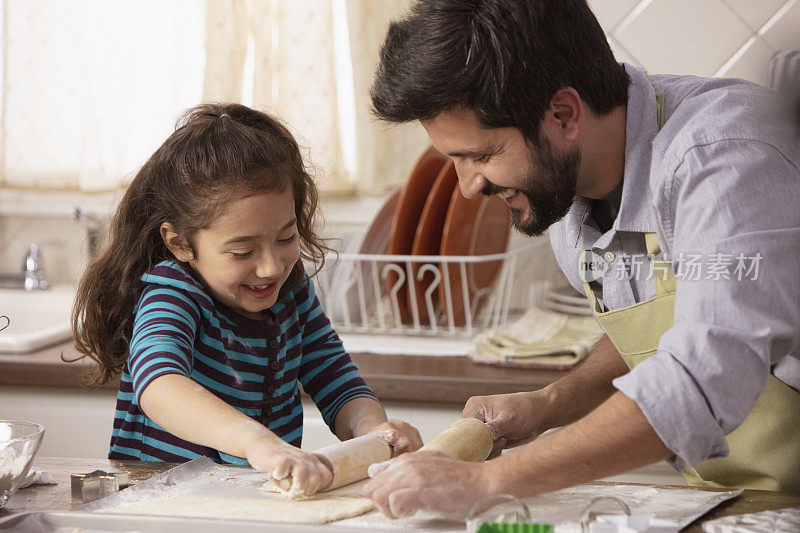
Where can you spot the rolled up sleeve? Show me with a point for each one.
(729, 200)
(163, 336)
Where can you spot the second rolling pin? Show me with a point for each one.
(348, 460)
(469, 439)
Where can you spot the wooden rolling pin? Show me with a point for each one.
(469, 439)
(348, 460)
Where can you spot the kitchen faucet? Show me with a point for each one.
(92, 225)
(32, 277)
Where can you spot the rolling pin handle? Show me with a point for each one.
(285, 484)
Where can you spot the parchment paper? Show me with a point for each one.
(203, 476)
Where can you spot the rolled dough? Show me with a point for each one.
(318, 509)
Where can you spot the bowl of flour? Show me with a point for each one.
(19, 442)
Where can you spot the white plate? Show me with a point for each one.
(567, 296)
(583, 310)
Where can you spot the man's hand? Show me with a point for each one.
(429, 481)
(513, 418)
(614, 438)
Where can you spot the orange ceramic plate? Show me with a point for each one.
(377, 237)
(428, 238)
(404, 224)
(477, 226)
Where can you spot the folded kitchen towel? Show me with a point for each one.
(539, 338)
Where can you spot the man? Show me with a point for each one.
(683, 192)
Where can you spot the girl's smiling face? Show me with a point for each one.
(246, 255)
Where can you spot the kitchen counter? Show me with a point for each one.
(57, 497)
(392, 377)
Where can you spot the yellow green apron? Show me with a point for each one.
(765, 448)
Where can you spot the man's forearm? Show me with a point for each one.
(575, 395)
(614, 438)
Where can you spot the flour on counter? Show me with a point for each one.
(12, 466)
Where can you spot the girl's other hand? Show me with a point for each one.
(280, 459)
(401, 436)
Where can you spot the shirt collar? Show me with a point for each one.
(636, 211)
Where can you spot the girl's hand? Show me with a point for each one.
(362, 416)
(401, 436)
(281, 459)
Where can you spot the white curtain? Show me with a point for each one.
(91, 87)
(311, 62)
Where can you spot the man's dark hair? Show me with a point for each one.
(504, 59)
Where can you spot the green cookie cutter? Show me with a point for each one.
(499, 527)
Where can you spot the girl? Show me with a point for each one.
(202, 304)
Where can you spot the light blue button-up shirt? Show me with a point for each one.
(720, 185)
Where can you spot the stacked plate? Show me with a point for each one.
(428, 216)
(433, 218)
(568, 301)
(353, 293)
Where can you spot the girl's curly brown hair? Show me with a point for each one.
(217, 154)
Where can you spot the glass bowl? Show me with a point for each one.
(19, 442)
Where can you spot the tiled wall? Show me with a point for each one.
(728, 38)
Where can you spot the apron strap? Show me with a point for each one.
(665, 281)
(661, 104)
(662, 273)
(585, 269)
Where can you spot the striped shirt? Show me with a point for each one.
(253, 365)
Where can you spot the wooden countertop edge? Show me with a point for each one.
(392, 377)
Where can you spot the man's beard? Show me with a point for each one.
(550, 191)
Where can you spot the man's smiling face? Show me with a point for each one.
(537, 183)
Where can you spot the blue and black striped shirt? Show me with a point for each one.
(253, 365)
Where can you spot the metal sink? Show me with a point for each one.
(37, 319)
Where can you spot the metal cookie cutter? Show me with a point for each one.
(97, 484)
(588, 517)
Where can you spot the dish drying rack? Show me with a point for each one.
(365, 293)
